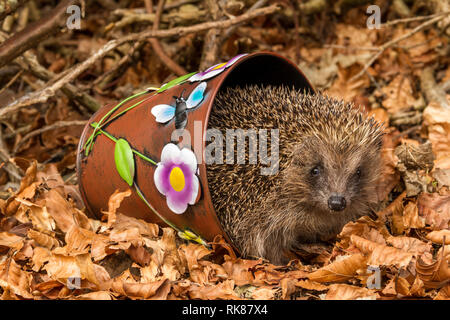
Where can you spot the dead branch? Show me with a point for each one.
(69, 75)
(171, 64)
(29, 62)
(56, 125)
(33, 33)
(391, 43)
(212, 41)
(9, 6)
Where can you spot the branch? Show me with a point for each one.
(8, 6)
(396, 40)
(34, 33)
(172, 65)
(69, 75)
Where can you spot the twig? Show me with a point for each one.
(413, 19)
(394, 41)
(56, 125)
(212, 38)
(172, 65)
(10, 82)
(258, 4)
(29, 61)
(70, 74)
(8, 6)
(33, 34)
(10, 168)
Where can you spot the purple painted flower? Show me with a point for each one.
(215, 70)
(175, 177)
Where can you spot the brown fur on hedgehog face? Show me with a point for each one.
(327, 149)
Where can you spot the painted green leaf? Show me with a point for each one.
(123, 156)
(176, 81)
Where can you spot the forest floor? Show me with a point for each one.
(52, 79)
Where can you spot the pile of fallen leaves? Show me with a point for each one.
(51, 250)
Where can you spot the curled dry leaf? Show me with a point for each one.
(437, 120)
(11, 240)
(411, 218)
(42, 239)
(13, 278)
(409, 244)
(223, 290)
(389, 176)
(40, 257)
(444, 293)
(435, 208)
(366, 228)
(435, 274)
(60, 210)
(113, 204)
(340, 270)
(382, 255)
(61, 268)
(348, 292)
(240, 270)
(26, 190)
(157, 290)
(439, 237)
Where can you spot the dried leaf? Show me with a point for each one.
(340, 270)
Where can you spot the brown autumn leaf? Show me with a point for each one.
(113, 204)
(411, 218)
(13, 278)
(26, 190)
(342, 269)
(409, 244)
(139, 254)
(11, 240)
(444, 293)
(240, 270)
(97, 295)
(364, 227)
(311, 285)
(398, 95)
(439, 237)
(61, 267)
(157, 290)
(389, 176)
(60, 210)
(223, 290)
(437, 120)
(36, 214)
(348, 292)
(40, 257)
(435, 208)
(382, 255)
(42, 239)
(265, 293)
(436, 274)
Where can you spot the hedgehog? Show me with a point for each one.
(328, 166)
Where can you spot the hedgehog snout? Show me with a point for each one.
(337, 202)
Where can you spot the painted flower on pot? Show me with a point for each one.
(215, 70)
(175, 177)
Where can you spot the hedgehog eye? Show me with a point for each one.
(315, 171)
(358, 173)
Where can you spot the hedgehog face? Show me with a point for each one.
(333, 179)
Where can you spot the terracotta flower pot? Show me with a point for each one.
(130, 145)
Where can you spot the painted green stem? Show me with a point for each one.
(139, 192)
(140, 155)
